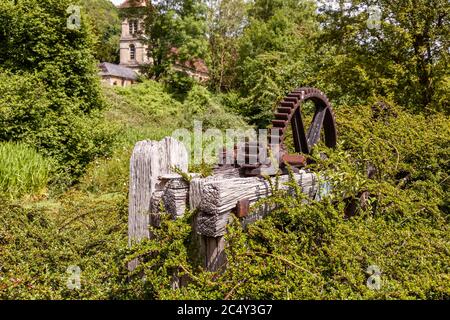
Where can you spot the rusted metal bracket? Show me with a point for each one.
(242, 208)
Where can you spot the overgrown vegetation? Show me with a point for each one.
(49, 93)
(65, 144)
(86, 225)
(104, 17)
(310, 251)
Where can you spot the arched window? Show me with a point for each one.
(133, 26)
(132, 52)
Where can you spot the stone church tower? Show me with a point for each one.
(133, 52)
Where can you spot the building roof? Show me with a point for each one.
(111, 69)
(132, 4)
(198, 65)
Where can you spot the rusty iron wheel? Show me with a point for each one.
(289, 114)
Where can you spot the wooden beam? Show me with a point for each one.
(215, 198)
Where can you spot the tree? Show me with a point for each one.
(226, 21)
(50, 95)
(276, 54)
(405, 56)
(104, 17)
(34, 38)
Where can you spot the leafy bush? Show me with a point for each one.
(40, 241)
(55, 125)
(147, 111)
(201, 105)
(108, 175)
(49, 93)
(178, 83)
(22, 170)
(142, 104)
(104, 17)
(60, 57)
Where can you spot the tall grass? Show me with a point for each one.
(23, 171)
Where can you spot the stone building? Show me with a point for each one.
(133, 52)
(117, 75)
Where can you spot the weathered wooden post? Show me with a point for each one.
(151, 170)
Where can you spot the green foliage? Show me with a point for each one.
(276, 54)
(201, 105)
(178, 83)
(405, 59)
(22, 170)
(136, 110)
(104, 17)
(86, 226)
(143, 104)
(107, 175)
(66, 134)
(308, 250)
(52, 114)
(174, 31)
(40, 241)
(287, 44)
(226, 19)
(60, 57)
(49, 93)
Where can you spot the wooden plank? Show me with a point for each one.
(213, 225)
(215, 253)
(221, 259)
(215, 199)
(149, 161)
(211, 253)
(175, 196)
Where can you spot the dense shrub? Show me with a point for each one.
(104, 17)
(34, 38)
(178, 83)
(49, 93)
(40, 241)
(147, 110)
(310, 250)
(201, 105)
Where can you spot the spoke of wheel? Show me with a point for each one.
(289, 113)
(298, 132)
(329, 125)
(316, 126)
